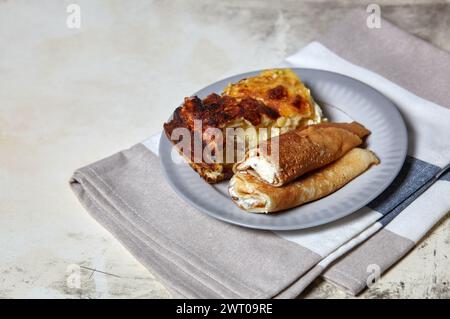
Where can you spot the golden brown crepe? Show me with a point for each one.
(284, 158)
(256, 196)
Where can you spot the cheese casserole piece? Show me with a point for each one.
(275, 99)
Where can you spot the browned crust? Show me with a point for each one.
(219, 110)
(276, 92)
(214, 111)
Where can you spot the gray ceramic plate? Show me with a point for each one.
(342, 99)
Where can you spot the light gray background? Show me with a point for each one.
(69, 97)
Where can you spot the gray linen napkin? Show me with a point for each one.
(197, 256)
(194, 255)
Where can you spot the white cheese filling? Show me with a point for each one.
(264, 169)
(244, 202)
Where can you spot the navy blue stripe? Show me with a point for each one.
(386, 219)
(413, 175)
(446, 176)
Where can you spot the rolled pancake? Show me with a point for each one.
(284, 158)
(256, 196)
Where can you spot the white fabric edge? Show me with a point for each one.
(423, 213)
(345, 248)
(324, 239)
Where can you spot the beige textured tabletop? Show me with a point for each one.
(71, 96)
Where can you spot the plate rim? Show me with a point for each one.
(404, 149)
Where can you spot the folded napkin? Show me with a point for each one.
(196, 256)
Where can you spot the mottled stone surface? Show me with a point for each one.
(69, 97)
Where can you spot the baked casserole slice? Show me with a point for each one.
(275, 99)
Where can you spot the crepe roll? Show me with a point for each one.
(256, 196)
(284, 158)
